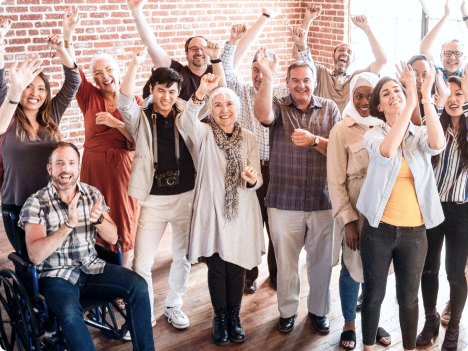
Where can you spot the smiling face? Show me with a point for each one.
(257, 75)
(420, 68)
(361, 100)
(106, 76)
(164, 98)
(34, 96)
(343, 57)
(454, 104)
(224, 112)
(392, 99)
(451, 63)
(195, 54)
(301, 84)
(64, 168)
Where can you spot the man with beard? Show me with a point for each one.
(61, 222)
(451, 53)
(334, 84)
(197, 50)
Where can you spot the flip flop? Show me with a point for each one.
(382, 333)
(349, 335)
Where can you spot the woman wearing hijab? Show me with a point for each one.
(347, 165)
(226, 224)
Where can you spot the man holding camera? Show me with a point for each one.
(163, 179)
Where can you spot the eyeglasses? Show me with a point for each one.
(109, 70)
(450, 53)
(195, 48)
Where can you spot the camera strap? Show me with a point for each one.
(155, 143)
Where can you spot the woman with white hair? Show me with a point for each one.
(108, 146)
(226, 224)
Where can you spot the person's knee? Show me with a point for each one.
(68, 312)
(458, 280)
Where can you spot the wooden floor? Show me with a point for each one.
(259, 314)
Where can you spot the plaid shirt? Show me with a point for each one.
(298, 174)
(247, 94)
(77, 252)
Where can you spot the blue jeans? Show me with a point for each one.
(115, 282)
(349, 292)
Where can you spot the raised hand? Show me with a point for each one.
(267, 66)
(464, 84)
(107, 119)
(136, 4)
(71, 19)
(138, 56)
(299, 35)
(55, 42)
(302, 137)
(464, 9)
(447, 9)
(212, 49)
(428, 82)
(249, 174)
(96, 211)
(5, 24)
(443, 88)
(73, 216)
(209, 82)
(406, 76)
(360, 21)
(312, 12)
(273, 11)
(238, 31)
(23, 74)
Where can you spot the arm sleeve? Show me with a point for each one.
(130, 113)
(31, 213)
(227, 60)
(305, 55)
(3, 86)
(424, 142)
(372, 140)
(65, 96)
(189, 123)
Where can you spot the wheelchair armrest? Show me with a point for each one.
(108, 255)
(19, 260)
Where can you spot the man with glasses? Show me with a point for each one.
(199, 52)
(452, 51)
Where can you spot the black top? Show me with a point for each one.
(193, 83)
(167, 159)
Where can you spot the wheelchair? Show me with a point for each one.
(25, 317)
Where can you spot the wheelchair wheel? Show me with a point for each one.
(18, 326)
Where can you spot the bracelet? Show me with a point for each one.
(465, 18)
(68, 225)
(67, 44)
(427, 101)
(197, 100)
(215, 61)
(266, 15)
(12, 102)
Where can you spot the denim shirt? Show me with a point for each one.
(383, 172)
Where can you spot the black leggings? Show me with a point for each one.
(454, 230)
(15, 234)
(225, 282)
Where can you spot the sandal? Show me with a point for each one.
(382, 333)
(349, 335)
(120, 303)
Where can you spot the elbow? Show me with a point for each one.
(384, 60)
(35, 259)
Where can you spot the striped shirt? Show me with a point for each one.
(451, 178)
(77, 252)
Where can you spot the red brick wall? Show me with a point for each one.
(107, 26)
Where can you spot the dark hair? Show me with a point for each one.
(162, 75)
(421, 57)
(187, 43)
(61, 144)
(446, 120)
(375, 98)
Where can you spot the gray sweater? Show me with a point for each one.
(239, 241)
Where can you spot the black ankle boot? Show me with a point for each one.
(236, 332)
(451, 340)
(431, 328)
(220, 332)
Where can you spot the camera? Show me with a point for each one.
(169, 178)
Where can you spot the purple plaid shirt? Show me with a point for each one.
(298, 174)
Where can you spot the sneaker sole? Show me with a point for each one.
(129, 337)
(177, 326)
(285, 330)
(237, 341)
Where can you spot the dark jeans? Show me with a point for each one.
(14, 233)
(454, 230)
(252, 274)
(225, 282)
(63, 299)
(407, 247)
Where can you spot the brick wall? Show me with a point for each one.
(107, 26)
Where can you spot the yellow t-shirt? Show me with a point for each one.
(402, 208)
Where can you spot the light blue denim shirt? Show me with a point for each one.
(383, 172)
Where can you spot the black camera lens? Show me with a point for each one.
(170, 181)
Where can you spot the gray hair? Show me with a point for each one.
(107, 57)
(222, 91)
(452, 41)
(297, 64)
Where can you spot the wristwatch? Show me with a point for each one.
(316, 141)
(100, 220)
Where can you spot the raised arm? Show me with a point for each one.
(246, 41)
(263, 102)
(377, 50)
(393, 139)
(158, 55)
(212, 49)
(56, 42)
(71, 19)
(428, 41)
(5, 25)
(464, 11)
(21, 76)
(311, 13)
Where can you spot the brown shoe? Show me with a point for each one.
(250, 287)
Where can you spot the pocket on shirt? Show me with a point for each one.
(360, 153)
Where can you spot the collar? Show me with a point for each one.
(53, 192)
(411, 129)
(349, 121)
(313, 102)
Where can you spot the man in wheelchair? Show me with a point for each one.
(61, 222)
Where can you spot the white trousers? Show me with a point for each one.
(155, 214)
(291, 231)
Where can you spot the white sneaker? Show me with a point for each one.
(178, 318)
(127, 335)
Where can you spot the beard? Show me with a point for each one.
(57, 181)
(197, 64)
